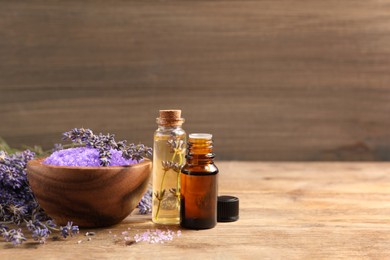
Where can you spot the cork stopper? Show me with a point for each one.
(170, 117)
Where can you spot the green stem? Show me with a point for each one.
(181, 159)
(178, 183)
(173, 156)
(160, 199)
(158, 208)
(162, 181)
(55, 229)
(178, 174)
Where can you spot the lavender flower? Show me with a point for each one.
(105, 143)
(176, 145)
(167, 165)
(69, 230)
(12, 173)
(16, 198)
(31, 225)
(17, 237)
(58, 147)
(4, 231)
(145, 205)
(105, 157)
(18, 212)
(77, 135)
(41, 234)
(136, 152)
(2, 155)
(13, 235)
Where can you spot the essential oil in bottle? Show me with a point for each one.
(168, 158)
(199, 184)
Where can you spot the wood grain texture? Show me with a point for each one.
(88, 196)
(272, 80)
(287, 211)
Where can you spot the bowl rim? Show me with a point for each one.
(39, 162)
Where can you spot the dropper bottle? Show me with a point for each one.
(199, 184)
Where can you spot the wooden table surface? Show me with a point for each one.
(287, 211)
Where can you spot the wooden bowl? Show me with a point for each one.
(88, 196)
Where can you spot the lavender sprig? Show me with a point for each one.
(104, 143)
(136, 152)
(13, 235)
(40, 234)
(18, 205)
(145, 205)
(57, 147)
(69, 230)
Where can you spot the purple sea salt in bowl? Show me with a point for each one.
(83, 156)
(90, 196)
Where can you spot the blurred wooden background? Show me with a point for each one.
(272, 80)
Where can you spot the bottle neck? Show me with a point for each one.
(200, 151)
(168, 127)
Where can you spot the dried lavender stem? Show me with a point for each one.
(162, 183)
(160, 199)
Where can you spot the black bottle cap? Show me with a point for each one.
(227, 209)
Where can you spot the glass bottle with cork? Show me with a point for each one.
(168, 158)
(199, 184)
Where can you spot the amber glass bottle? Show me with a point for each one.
(199, 184)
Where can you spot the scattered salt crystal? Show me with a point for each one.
(156, 236)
